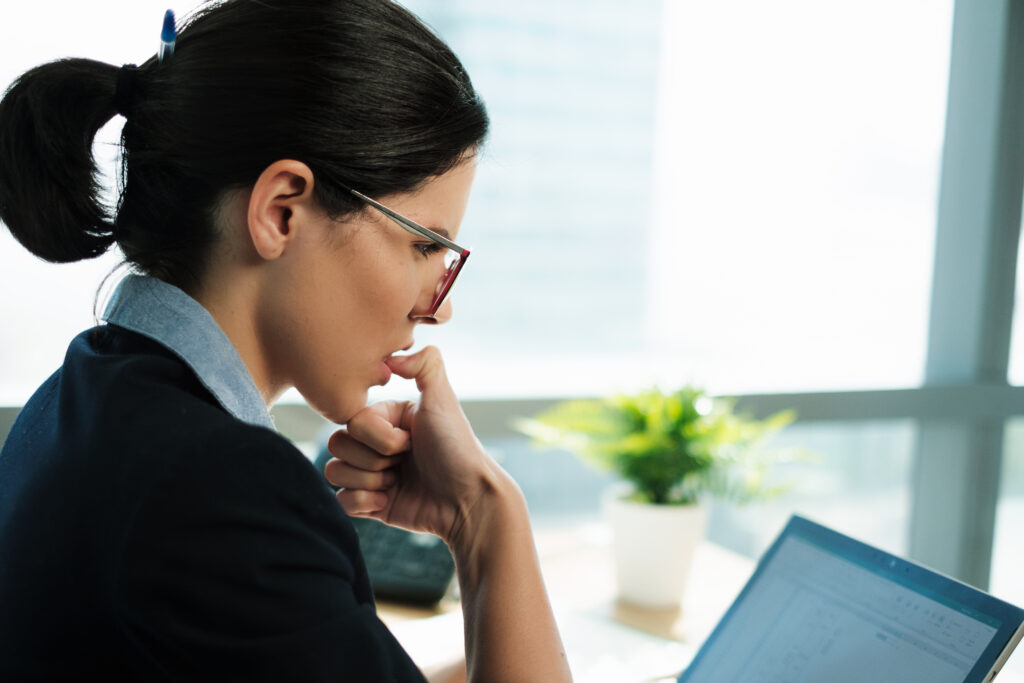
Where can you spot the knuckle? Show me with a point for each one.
(337, 441)
(331, 469)
(375, 462)
(357, 501)
(377, 465)
(393, 443)
(348, 498)
(362, 423)
(431, 354)
(386, 479)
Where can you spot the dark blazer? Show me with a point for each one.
(146, 534)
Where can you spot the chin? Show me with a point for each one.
(338, 409)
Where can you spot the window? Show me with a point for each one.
(741, 196)
(845, 468)
(1017, 337)
(560, 213)
(1008, 555)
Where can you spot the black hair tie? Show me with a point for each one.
(124, 91)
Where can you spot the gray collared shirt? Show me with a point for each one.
(167, 315)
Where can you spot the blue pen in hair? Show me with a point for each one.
(167, 36)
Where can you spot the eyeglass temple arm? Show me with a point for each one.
(408, 224)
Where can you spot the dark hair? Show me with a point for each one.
(359, 90)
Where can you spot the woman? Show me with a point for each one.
(277, 167)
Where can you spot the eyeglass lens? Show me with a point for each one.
(452, 265)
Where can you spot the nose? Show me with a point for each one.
(441, 316)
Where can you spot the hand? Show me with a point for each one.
(419, 466)
(414, 465)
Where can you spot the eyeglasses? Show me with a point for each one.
(454, 255)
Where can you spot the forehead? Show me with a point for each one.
(439, 203)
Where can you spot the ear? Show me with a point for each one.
(280, 200)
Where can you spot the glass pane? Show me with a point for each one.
(673, 192)
(1008, 551)
(678, 192)
(1016, 374)
(855, 478)
(558, 220)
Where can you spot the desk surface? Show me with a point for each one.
(577, 567)
(606, 641)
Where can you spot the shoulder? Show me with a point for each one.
(124, 396)
(213, 546)
(240, 562)
(222, 462)
(228, 488)
(154, 423)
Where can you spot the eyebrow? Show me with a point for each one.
(440, 231)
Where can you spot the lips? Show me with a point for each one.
(385, 374)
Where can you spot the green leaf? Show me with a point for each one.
(672, 447)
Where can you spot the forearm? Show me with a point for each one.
(511, 635)
(450, 673)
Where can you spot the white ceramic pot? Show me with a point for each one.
(653, 548)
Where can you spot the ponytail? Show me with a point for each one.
(49, 186)
(359, 90)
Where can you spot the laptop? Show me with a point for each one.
(823, 607)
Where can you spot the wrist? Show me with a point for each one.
(498, 516)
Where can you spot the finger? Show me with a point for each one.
(342, 446)
(375, 427)
(427, 368)
(342, 474)
(362, 503)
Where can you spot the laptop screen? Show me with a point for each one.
(823, 607)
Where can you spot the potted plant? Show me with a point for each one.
(673, 450)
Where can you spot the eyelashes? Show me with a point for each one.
(428, 248)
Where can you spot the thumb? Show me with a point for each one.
(427, 368)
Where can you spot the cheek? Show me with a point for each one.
(331, 322)
(333, 375)
(361, 292)
(363, 319)
(387, 294)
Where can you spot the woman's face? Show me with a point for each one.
(351, 293)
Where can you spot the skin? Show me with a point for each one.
(322, 305)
